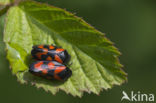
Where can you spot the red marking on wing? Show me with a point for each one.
(51, 65)
(41, 46)
(45, 49)
(38, 65)
(40, 54)
(59, 69)
(59, 50)
(45, 71)
(57, 58)
(49, 58)
(51, 47)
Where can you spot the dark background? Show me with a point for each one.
(130, 24)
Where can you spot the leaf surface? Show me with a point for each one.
(94, 59)
(5, 2)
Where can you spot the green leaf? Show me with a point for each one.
(94, 59)
(5, 2)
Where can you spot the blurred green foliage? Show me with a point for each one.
(130, 24)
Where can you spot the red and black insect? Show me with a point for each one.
(50, 69)
(50, 53)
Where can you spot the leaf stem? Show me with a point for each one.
(16, 2)
(4, 9)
